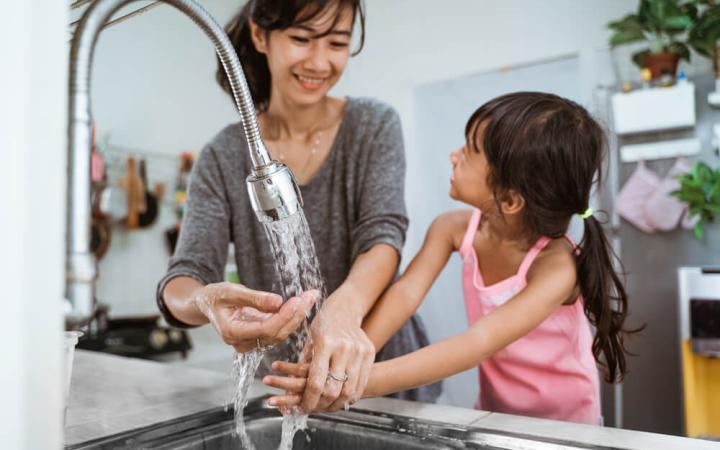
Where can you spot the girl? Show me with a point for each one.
(347, 155)
(527, 167)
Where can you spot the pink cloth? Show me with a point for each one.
(663, 211)
(633, 197)
(548, 373)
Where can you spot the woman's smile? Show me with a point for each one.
(310, 83)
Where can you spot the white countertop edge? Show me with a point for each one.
(534, 427)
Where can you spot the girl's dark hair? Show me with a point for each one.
(278, 15)
(550, 151)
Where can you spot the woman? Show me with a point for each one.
(347, 156)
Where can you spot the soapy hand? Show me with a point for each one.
(245, 318)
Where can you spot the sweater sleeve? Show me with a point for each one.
(201, 250)
(382, 217)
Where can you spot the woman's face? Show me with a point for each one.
(305, 67)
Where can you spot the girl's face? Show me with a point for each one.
(303, 66)
(468, 182)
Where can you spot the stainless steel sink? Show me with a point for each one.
(347, 430)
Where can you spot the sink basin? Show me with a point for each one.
(347, 430)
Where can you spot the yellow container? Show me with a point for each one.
(701, 385)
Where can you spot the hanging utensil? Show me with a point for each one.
(99, 237)
(132, 184)
(147, 217)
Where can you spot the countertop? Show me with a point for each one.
(111, 394)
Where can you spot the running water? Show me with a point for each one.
(244, 367)
(298, 269)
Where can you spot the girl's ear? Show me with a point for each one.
(512, 203)
(259, 37)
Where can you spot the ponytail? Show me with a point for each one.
(606, 302)
(254, 63)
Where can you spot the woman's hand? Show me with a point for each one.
(245, 318)
(341, 357)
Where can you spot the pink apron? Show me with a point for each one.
(548, 373)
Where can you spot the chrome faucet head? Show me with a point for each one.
(273, 192)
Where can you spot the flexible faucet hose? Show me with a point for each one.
(81, 270)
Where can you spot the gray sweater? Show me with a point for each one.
(353, 202)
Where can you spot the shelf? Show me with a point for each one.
(660, 150)
(654, 109)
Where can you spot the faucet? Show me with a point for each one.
(273, 191)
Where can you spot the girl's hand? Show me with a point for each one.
(245, 318)
(293, 384)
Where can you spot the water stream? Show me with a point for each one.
(298, 271)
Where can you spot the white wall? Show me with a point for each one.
(155, 90)
(33, 69)
(414, 42)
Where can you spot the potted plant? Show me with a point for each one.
(704, 38)
(700, 190)
(663, 24)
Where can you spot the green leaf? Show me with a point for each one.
(626, 37)
(627, 30)
(695, 170)
(706, 32)
(678, 23)
(714, 192)
(629, 22)
(700, 190)
(690, 183)
(698, 231)
(670, 25)
(690, 10)
(705, 173)
(645, 13)
(681, 49)
(654, 11)
(703, 42)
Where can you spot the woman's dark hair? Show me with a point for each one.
(550, 151)
(278, 15)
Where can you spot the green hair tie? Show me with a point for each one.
(588, 212)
